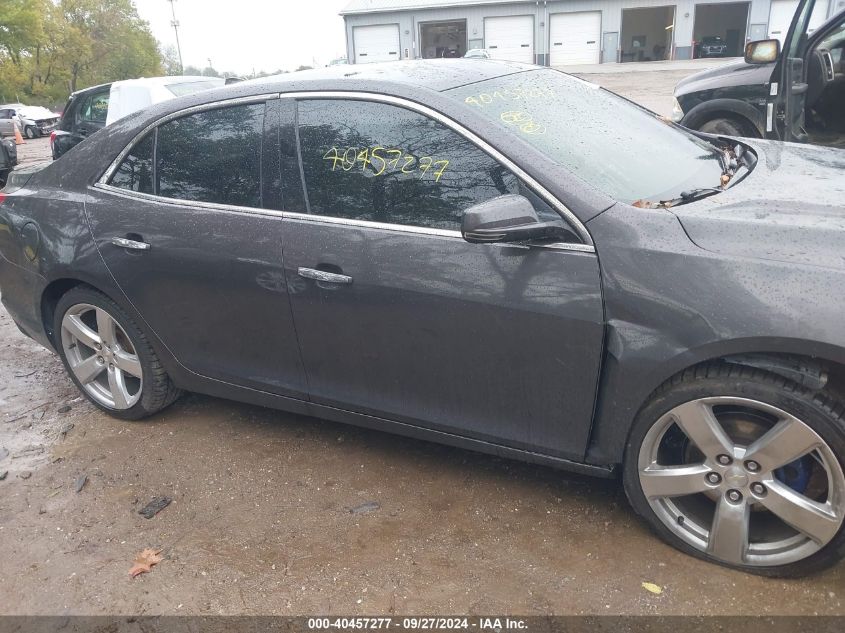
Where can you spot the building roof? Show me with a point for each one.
(380, 6)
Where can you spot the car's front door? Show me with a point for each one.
(400, 318)
(788, 87)
(194, 241)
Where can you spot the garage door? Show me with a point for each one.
(782, 12)
(510, 38)
(575, 38)
(378, 43)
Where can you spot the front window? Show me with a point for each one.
(382, 163)
(628, 153)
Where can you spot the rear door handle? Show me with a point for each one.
(132, 245)
(322, 275)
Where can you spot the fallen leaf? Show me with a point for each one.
(145, 561)
(650, 586)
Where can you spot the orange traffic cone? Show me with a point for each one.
(18, 138)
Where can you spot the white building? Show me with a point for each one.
(562, 32)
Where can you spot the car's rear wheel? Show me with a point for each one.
(724, 127)
(109, 357)
(743, 468)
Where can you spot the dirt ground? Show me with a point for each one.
(275, 513)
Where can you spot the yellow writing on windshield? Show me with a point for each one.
(523, 121)
(504, 95)
(381, 161)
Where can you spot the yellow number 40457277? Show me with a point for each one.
(384, 160)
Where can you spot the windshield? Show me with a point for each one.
(623, 150)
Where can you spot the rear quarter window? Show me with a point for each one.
(135, 172)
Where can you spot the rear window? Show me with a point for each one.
(212, 156)
(96, 107)
(182, 89)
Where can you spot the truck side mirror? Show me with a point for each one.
(762, 51)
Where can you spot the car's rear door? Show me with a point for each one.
(91, 114)
(7, 122)
(400, 318)
(194, 239)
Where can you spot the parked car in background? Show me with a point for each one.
(477, 53)
(711, 46)
(794, 92)
(471, 256)
(8, 159)
(33, 121)
(340, 61)
(91, 109)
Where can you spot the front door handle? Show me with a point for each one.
(322, 275)
(132, 245)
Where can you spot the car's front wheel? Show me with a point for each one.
(108, 356)
(742, 467)
(30, 132)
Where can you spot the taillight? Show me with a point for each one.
(52, 138)
(2, 197)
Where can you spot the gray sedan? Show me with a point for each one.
(486, 254)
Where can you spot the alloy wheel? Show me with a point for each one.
(101, 356)
(742, 481)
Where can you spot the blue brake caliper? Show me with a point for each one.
(796, 474)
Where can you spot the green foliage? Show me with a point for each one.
(49, 48)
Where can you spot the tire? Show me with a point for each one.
(746, 403)
(723, 127)
(30, 132)
(119, 372)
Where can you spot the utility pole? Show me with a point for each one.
(175, 24)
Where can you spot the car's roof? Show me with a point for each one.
(76, 93)
(433, 74)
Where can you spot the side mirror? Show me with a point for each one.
(508, 218)
(762, 52)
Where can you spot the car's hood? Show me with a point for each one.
(735, 73)
(37, 113)
(790, 208)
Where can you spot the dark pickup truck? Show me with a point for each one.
(793, 92)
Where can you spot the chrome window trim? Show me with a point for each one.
(574, 222)
(384, 226)
(136, 195)
(324, 219)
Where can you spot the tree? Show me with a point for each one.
(20, 26)
(51, 47)
(170, 61)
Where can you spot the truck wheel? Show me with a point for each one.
(723, 127)
(742, 468)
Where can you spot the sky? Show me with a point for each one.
(244, 35)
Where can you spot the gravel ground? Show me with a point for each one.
(274, 513)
